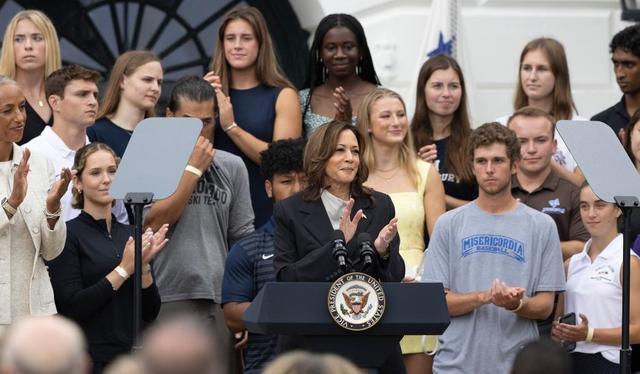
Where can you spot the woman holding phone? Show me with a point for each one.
(594, 292)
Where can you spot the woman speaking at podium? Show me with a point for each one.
(335, 199)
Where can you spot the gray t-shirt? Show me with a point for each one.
(468, 250)
(218, 214)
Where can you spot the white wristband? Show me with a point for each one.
(194, 170)
(231, 127)
(121, 272)
(590, 334)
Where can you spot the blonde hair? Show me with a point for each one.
(124, 66)
(268, 70)
(300, 362)
(51, 43)
(407, 157)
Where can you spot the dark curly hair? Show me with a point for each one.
(282, 156)
(628, 40)
(494, 132)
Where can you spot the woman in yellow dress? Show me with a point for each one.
(414, 187)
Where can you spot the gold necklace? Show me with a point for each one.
(385, 178)
(40, 104)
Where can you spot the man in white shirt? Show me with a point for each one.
(72, 93)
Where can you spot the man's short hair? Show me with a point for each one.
(494, 132)
(533, 112)
(181, 345)
(192, 88)
(542, 356)
(282, 156)
(45, 345)
(628, 39)
(57, 81)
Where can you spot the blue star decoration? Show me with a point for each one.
(443, 47)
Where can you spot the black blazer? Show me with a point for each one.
(303, 240)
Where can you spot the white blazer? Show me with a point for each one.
(48, 243)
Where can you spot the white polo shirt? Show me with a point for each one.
(594, 289)
(49, 144)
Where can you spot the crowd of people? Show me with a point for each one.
(492, 213)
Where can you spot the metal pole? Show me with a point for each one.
(137, 278)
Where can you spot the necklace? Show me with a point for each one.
(40, 104)
(385, 171)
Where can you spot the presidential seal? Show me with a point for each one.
(356, 301)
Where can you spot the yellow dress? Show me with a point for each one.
(410, 212)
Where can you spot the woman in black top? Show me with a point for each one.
(440, 127)
(31, 52)
(90, 277)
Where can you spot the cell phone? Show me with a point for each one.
(569, 319)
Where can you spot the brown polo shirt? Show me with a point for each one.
(558, 198)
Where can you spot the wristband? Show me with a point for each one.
(55, 214)
(520, 305)
(11, 210)
(194, 170)
(590, 334)
(231, 127)
(121, 272)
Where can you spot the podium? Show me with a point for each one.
(300, 309)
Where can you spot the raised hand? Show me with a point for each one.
(385, 236)
(128, 255)
(157, 241)
(428, 153)
(342, 104)
(58, 189)
(214, 80)
(20, 186)
(348, 226)
(225, 108)
(202, 154)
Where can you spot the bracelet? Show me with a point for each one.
(590, 334)
(55, 214)
(520, 305)
(11, 210)
(194, 170)
(121, 272)
(231, 127)
(146, 270)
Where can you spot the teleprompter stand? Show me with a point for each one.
(300, 308)
(613, 178)
(151, 167)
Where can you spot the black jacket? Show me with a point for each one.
(303, 240)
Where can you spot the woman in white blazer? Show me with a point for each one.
(31, 230)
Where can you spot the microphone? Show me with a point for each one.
(366, 249)
(339, 249)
